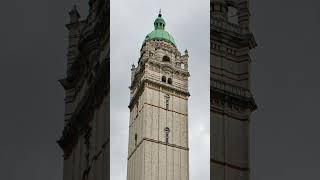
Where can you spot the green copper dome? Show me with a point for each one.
(159, 32)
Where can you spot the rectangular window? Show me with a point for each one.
(167, 101)
(167, 131)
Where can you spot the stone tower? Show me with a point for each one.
(231, 100)
(158, 126)
(85, 137)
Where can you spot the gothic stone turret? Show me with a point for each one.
(158, 126)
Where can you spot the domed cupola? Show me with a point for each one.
(159, 32)
(159, 23)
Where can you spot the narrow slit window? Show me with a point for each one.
(135, 139)
(167, 131)
(167, 97)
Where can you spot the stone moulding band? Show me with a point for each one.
(166, 92)
(236, 90)
(218, 23)
(229, 97)
(231, 78)
(230, 165)
(157, 107)
(166, 109)
(225, 70)
(216, 110)
(136, 95)
(158, 142)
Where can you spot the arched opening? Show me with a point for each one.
(169, 80)
(164, 79)
(166, 59)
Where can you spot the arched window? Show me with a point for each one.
(166, 59)
(164, 79)
(167, 97)
(135, 139)
(169, 80)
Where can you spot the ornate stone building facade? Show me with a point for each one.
(231, 100)
(158, 126)
(85, 137)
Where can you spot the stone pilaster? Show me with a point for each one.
(231, 100)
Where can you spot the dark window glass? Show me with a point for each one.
(135, 139)
(164, 79)
(166, 59)
(167, 102)
(167, 131)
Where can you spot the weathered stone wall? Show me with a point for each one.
(151, 156)
(85, 138)
(231, 99)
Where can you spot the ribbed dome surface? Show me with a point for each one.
(159, 32)
(162, 35)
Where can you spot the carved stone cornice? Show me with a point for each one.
(221, 25)
(232, 94)
(83, 113)
(162, 45)
(171, 66)
(158, 142)
(163, 66)
(230, 31)
(143, 83)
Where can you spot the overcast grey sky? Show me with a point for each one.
(188, 22)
